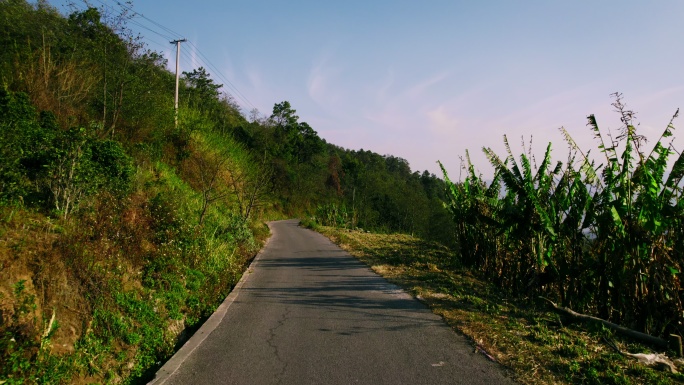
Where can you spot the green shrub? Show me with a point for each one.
(114, 165)
(25, 142)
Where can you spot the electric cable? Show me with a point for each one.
(221, 76)
(195, 57)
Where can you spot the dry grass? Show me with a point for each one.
(124, 277)
(537, 345)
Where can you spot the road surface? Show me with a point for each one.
(307, 312)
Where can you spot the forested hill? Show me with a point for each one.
(356, 189)
(120, 229)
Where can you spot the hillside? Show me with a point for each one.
(125, 223)
(120, 231)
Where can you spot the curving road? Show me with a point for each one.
(309, 313)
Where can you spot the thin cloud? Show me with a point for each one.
(380, 94)
(442, 122)
(323, 82)
(419, 89)
(405, 108)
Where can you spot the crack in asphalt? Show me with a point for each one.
(272, 344)
(306, 316)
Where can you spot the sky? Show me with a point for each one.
(428, 80)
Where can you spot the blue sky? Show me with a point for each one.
(427, 80)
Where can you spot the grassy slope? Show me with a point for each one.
(537, 345)
(125, 279)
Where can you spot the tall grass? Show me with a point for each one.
(604, 239)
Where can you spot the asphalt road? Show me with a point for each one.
(309, 313)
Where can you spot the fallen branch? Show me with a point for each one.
(480, 349)
(656, 360)
(621, 329)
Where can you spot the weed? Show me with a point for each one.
(538, 346)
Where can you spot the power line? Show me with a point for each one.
(135, 13)
(167, 37)
(220, 75)
(131, 20)
(164, 46)
(169, 34)
(148, 19)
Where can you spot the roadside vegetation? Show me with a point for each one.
(111, 247)
(602, 237)
(120, 231)
(521, 333)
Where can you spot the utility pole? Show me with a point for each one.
(175, 105)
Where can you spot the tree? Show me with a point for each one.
(24, 141)
(111, 47)
(251, 184)
(202, 92)
(335, 174)
(296, 141)
(211, 168)
(284, 116)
